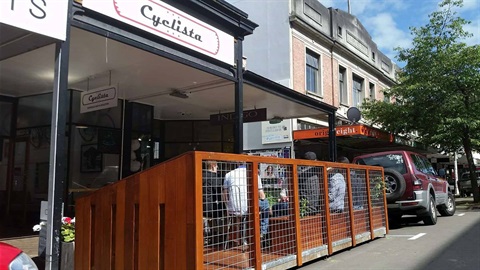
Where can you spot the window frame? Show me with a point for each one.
(342, 71)
(357, 94)
(312, 58)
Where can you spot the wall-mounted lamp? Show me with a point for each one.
(275, 120)
(178, 94)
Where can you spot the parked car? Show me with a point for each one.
(412, 185)
(465, 184)
(13, 258)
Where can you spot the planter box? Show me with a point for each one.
(67, 255)
(312, 232)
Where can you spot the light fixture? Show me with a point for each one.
(178, 94)
(275, 120)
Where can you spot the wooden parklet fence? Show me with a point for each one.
(155, 219)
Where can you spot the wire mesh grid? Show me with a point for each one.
(360, 200)
(227, 200)
(338, 199)
(277, 225)
(377, 187)
(312, 206)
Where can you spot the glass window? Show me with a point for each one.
(419, 164)
(342, 85)
(312, 72)
(391, 161)
(357, 91)
(372, 91)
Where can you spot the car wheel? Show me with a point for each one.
(431, 217)
(448, 209)
(394, 185)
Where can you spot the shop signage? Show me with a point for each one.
(353, 131)
(45, 17)
(99, 98)
(276, 133)
(163, 20)
(248, 116)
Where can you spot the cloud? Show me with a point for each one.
(473, 28)
(386, 34)
(473, 5)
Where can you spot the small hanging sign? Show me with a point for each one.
(98, 99)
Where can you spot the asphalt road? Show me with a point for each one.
(453, 243)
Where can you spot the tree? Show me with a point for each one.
(438, 90)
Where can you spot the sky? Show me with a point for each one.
(388, 21)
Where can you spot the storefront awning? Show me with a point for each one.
(359, 137)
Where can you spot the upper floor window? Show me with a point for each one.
(312, 72)
(357, 91)
(342, 83)
(372, 91)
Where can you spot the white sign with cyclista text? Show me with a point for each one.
(161, 19)
(45, 17)
(99, 98)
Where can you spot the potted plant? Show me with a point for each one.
(67, 238)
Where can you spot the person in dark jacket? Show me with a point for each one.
(213, 207)
(212, 191)
(309, 187)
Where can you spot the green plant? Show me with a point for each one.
(303, 207)
(377, 187)
(68, 230)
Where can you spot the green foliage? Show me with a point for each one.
(68, 232)
(438, 94)
(303, 208)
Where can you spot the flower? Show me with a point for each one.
(67, 231)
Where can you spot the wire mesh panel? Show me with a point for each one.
(312, 206)
(339, 210)
(360, 201)
(377, 187)
(227, 200)
(278, 231)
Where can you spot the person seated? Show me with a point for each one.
(336, 190)
(281, 207)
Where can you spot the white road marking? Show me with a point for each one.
(389, 235)
(461, 215)
(417, 236)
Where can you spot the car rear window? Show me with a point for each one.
(390, 161)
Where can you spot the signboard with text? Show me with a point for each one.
(352, 130)
(45, 17)
(99, 98)
(276, 133)
(161, 19)
(248, 116)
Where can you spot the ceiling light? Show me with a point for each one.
(178, 94)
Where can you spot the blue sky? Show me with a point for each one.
(388, 21)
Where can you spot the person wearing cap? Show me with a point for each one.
(309, 186)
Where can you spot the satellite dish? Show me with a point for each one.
(354, 114)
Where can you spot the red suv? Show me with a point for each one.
(412, 185)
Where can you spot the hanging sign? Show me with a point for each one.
(163, 20)
(99, 98)
(276, 133)
(45, 17)
(248, 116)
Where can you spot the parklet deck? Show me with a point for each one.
(156, 219)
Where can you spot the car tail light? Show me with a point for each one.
(22, 262)
(417, 184)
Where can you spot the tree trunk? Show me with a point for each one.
(467, 146)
